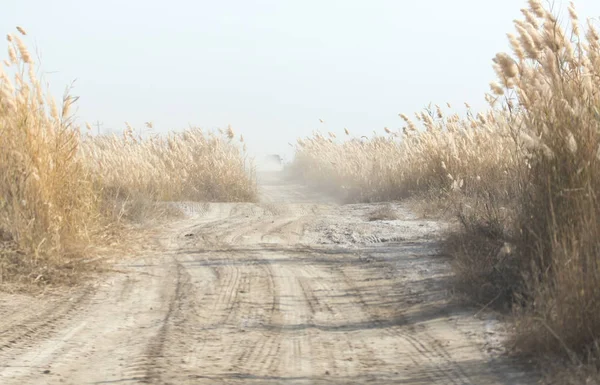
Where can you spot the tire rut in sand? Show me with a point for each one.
(259, 354)
(223, 333)
(254, 293)
(19, 334)
(150, 365)
(18, 339)
(425, 352)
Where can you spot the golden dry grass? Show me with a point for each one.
(62, 192)
(186, 166)
(522, 178)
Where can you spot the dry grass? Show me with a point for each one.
(187, 166)
(62, 193)
(557, 87)
(523, 179)
(450, 154)
(47, 199)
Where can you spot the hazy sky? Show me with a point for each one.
(270, 68)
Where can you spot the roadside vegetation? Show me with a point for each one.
(63, 191)
(522, 178)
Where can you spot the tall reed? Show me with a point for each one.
(523, 179)
(59, 188)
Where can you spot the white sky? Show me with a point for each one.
(270, 68)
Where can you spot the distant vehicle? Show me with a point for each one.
(274, 158)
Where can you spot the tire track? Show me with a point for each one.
(270, 293)
(40, 325)
(424, 354)
(261, 354)
(153, 364)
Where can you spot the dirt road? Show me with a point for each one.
(294, 290)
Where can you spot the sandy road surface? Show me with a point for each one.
(294, 290)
